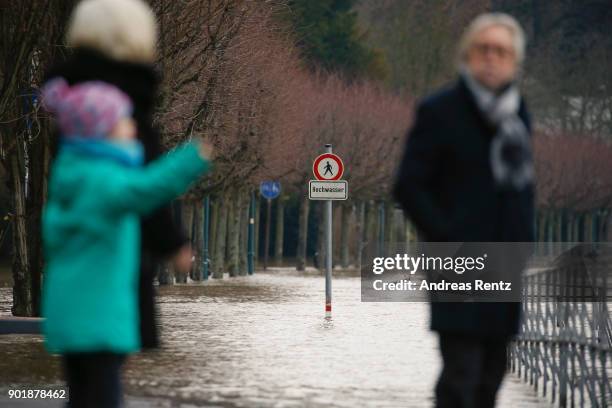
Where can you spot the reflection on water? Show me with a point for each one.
(262, 341)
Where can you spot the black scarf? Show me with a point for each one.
(138, 81)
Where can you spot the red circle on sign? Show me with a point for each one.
(331, 156)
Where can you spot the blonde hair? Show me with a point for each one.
(124, 30)
(487, 20)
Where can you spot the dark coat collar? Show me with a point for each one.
(139, 81)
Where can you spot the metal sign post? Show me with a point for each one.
(328, 170)
(205, 240)
(269, 190)
(267, 236)
(328, 255)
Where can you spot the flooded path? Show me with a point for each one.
(262, 341)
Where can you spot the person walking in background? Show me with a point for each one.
(98, 188)
(467, 175)
(114, 41)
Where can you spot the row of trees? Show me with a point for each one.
(269, 113)
(232, 73)
(237, 73)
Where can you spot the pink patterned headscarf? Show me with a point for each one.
(88, 109)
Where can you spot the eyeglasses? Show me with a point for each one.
(497, 50)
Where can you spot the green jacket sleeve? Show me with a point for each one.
(144, 189)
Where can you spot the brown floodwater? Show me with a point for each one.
(263, 341)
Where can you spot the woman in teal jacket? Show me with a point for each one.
(91, 235)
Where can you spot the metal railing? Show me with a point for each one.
(563, 349)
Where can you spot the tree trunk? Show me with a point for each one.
(29, 196)
(559, 232)
(410, 232)
(594, 226)
(244, 231)
(280, 224)
(381, 225)
(570, 229)
(219, 262)
(541, 231)
(214, 222)
(400, 228)
(22, 282)
(390, 227)
(165, 274)
(344, 235)
(38, 176)
(602, 227)
(577, 219)
(302, 233)
(233, 234)
(187, 220)
(266, 250)
(588, 227)
(550, 216)
(359, 233)
(257, 224)
(370, 227)
(197, 271)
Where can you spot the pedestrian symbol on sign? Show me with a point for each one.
(328, 167)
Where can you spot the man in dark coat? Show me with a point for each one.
(466, 176)
(161, 236)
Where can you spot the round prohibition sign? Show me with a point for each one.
(327, 167)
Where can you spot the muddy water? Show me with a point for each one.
(262, 341)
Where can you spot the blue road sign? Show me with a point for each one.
(270, 189)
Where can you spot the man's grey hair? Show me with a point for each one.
(487, 20)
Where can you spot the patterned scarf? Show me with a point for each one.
(510, 155)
